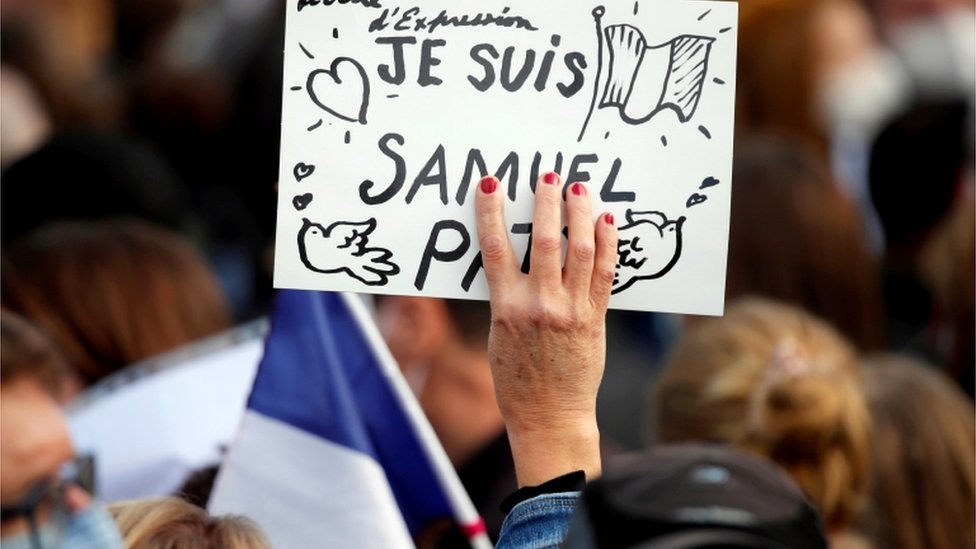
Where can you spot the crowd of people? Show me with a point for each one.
(830, 406)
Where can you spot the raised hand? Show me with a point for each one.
(547, 344)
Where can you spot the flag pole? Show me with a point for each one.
(597, 16)
(464, 511)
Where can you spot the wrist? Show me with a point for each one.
(542, 453)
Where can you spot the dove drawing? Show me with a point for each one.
(342, 247)
(648, 246)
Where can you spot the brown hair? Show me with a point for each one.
(924, 461)
(171, 523)
(28, 353)
(795, 237)
(949, 265)
(786, 53)
(778, 381)
(776, 72)
(111, 293)
(472, 320)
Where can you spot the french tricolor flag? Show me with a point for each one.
(334, 450)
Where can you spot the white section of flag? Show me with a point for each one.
(315, 494)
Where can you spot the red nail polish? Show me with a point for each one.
(551, 178)
(577, 189)
(488, 184)
(608, 218)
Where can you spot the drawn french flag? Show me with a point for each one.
(640, 80)
(334, 450)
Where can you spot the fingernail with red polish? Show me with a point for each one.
(577, 189)
(551, 178)
(608, 218)
(488, 184)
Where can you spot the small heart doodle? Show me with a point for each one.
(301, 201)
(708, 182)
(695, 199)
(345, 97)
(302, 170)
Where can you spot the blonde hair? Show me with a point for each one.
(171, 523)
(775, 380)
(924, 462)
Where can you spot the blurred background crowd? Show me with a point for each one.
(139, 152)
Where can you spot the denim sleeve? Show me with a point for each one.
(538, 523)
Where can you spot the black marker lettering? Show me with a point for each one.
(476, 265)
(514, 84)
(534, 172)
(365, 3)
(404, 23)
(575, 62)
(511, 163)
(426, 178)
(398, 177)
(576, 175)
(379, 23)
(607, 194)
(524, 228)
(427, 60)
(542, 78)
(431, 252)
(476, 54)
(399, 73)
(474, 157)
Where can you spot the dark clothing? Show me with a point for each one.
(488, 477)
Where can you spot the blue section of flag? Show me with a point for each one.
(319, 374)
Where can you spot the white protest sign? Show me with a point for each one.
(153, 424)
(393, 110)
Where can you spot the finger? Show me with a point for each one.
(496, 250)
(604, 262)
(545, 263)
(581, 248)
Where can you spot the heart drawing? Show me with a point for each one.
(302, 170)
(342, 90)
(301, 201)
(695, 199)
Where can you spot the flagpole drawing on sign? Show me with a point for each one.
(394, 110)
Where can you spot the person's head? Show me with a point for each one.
(926, 145)
(407, 321)
(63, 46)
(168, 522)
(694, 496)
(924, 434)
(442, 348)
(780, 382)
(28, 353)
(788, 51)
(43, 503)
(112, 293)
(795, 237)
(85, 175)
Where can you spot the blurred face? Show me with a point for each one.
(843, 34)
(44, 504)
(34, 443)
(859, 83)
(895, 12)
